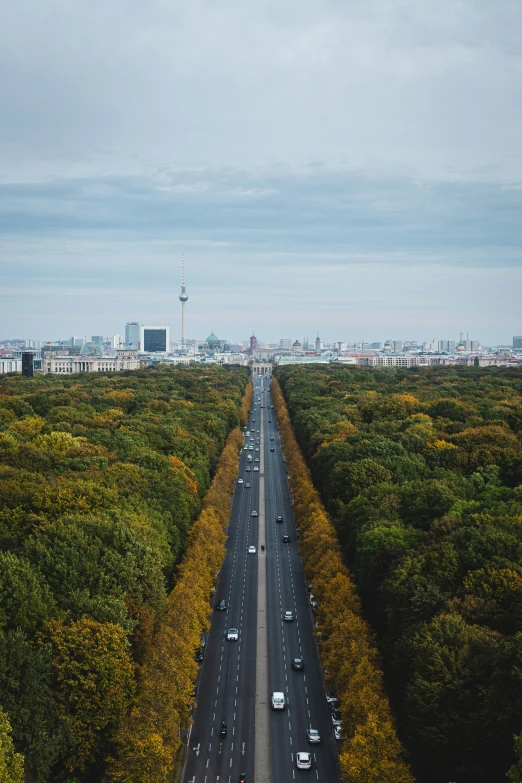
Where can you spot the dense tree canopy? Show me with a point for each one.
(101, 480)
(421, 471)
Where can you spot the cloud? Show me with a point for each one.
(354, 160)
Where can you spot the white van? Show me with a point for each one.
(278, 700)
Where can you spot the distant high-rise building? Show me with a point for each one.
(78, 341)
(253, 343)
(97, 338)
(132, 335)
(116, 341)
(376, 345)
(154, 339)
(318, 344)
(27, 364)
(517, 343)
(285, 344)
(447, 346)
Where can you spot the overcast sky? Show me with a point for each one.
(347, 167)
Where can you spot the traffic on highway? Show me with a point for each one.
(262, 713)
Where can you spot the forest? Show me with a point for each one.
(104, 503)
(421, 473)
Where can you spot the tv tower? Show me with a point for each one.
(183, 297)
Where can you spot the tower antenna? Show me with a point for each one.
(183, 298)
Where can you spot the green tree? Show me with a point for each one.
(11, 763)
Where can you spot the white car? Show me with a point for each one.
(338, 732)
(232, 635)
(288, 617)
(256, 468)
(240, 481)
(253, 514)
(304, 760)
(251, 550)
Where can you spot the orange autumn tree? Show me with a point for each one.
(371, 751)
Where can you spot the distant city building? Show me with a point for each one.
(253, 343)
(296, 346)
(78, 341)
(132, 335)
(58, 364)
(447, 346)
(376, 346)
(27, 364)
(286, 344)
(517, 343)
(318, 344)
(154, 339)
(10, 364)
(97, 338)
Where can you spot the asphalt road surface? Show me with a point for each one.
(226, 688)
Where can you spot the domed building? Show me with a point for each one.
(212, 341)
(212, 344)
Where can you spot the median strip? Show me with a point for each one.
(261, 735)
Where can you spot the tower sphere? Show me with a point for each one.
(183, 297)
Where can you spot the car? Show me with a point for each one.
(270, 421)
(240, 481)
(297, 664)
(253, 513)
(271, 437)
(248, 469)
(313, 736)
(257, 448)
(331, 696)
(232, 635)
(303, 760)
(199, 654)
(338, 732)
(253, 420)
(288, 616)
(272, 448)
(279, 519)
(251, 448)
(221, 606)
(286, 539)
(251, 550)
(278, 700)
(336, 718)
(256, 469)
(248, 485)
(256, 459)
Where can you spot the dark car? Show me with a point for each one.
(279, 519)
(199, 654)
(272, 449)
(270, 421)
(286, 539)
(222, 606)
(271, 437)
(298, 664)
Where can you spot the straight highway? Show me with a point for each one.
(227, 685)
